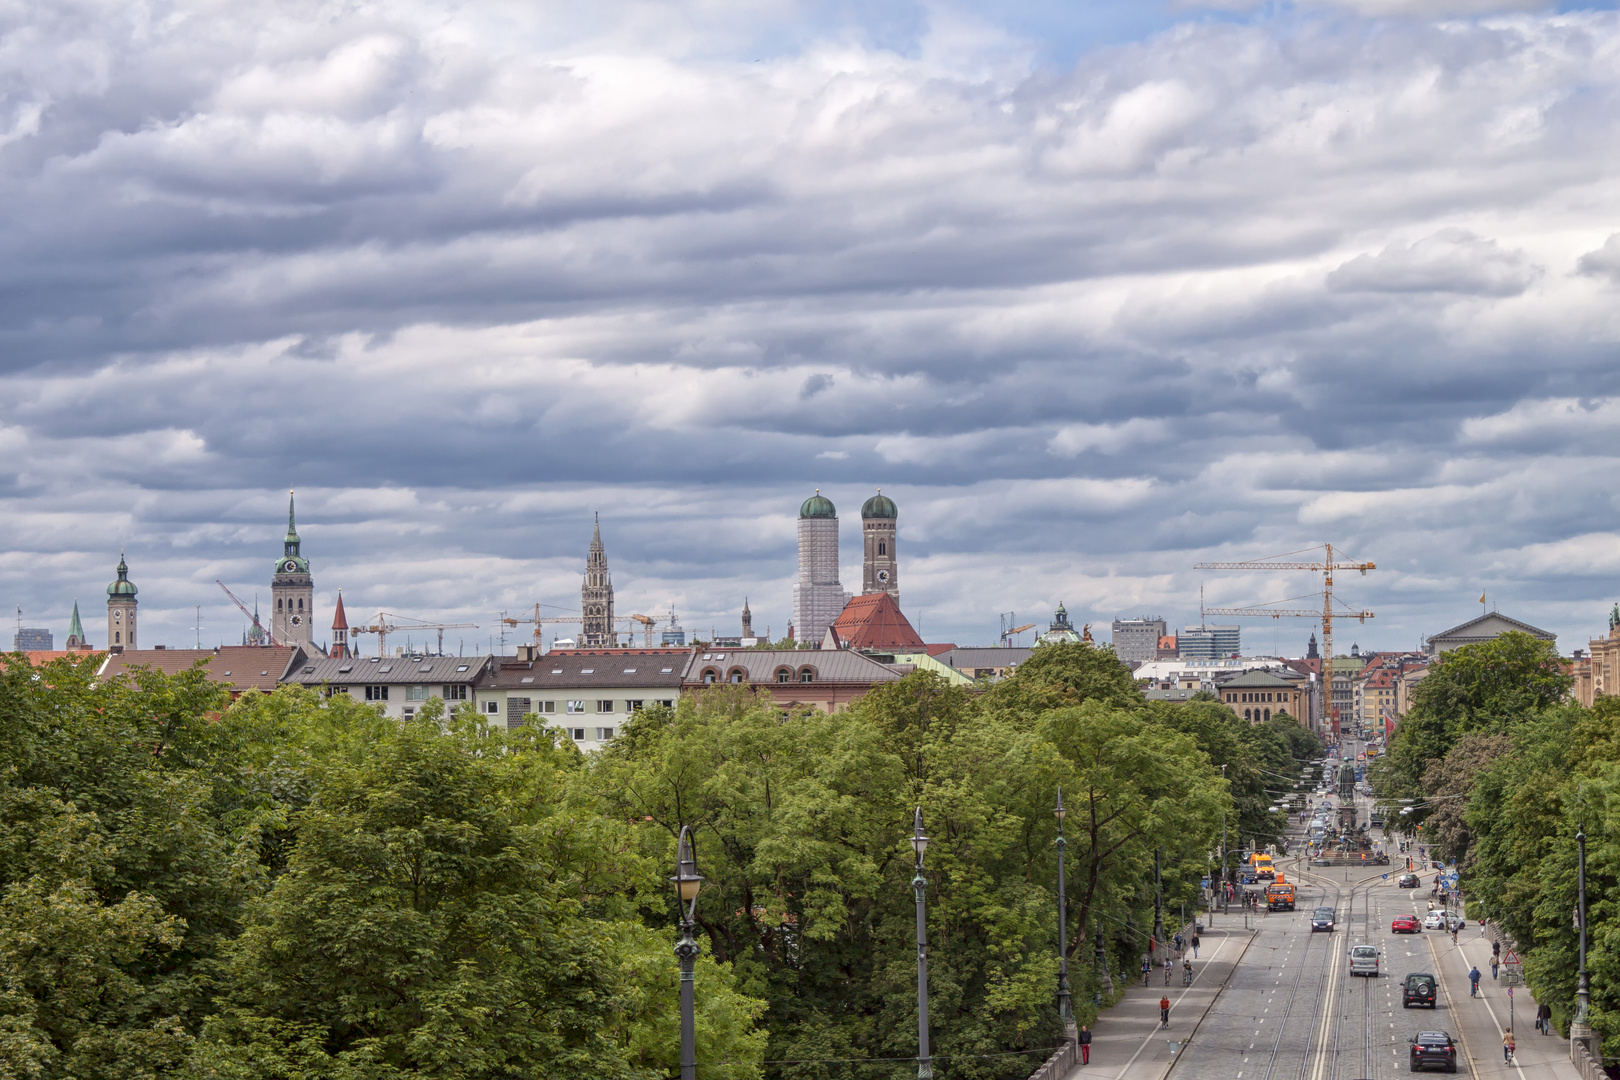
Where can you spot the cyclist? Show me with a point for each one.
(1473, 981)
(1186, 973)
(1146, 968)
(1164, 1010)
(1167, 971)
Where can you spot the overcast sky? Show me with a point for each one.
(1093, 291)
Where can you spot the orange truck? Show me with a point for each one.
(1260, 866)
(1280, 895)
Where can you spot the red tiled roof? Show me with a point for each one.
(941, 647)
(874, 621)
(45, 656)
(240, 667)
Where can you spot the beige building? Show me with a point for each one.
(588, 693)
(396, 686)
(1258, 696)
(1599, 673)
(1485, 627)
(826, 679)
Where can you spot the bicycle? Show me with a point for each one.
(1186, 977)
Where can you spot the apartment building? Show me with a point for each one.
(397, 686)
(587, 693)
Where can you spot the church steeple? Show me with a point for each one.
(340, 631)
(596, 595)
(76, 638)
(747, 620)
(292, 590)
(121, 608)
(291, 542)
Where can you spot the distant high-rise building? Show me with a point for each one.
(292, 590)
(880, 572)
(818, 595)
(596, 597)
(33, 639)
(1137, 640)
(1209, 642)
(121, 605)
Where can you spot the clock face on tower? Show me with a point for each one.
(297, 620)
(289, 566)
(883, 575)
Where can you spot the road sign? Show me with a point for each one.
(1204, 884)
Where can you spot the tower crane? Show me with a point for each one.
(382, 628)
(537, 621)
(244, 609)
(1327, 614)
(647, 625)
(1009, 632)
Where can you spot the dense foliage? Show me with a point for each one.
(293, 886)
(1499, 772)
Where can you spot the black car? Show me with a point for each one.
(1418, 989)
(1433, 1048)
(1322, 919)
(1407, 881)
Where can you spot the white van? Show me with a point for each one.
(1364, 960)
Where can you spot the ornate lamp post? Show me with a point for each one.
(1580, 1027)
(919, 885)
(1065, 1003)
(687, 882)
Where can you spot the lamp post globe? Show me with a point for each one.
(687, 882)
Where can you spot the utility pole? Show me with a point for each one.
(1158, 899)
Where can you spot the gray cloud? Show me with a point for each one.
(1222, 291)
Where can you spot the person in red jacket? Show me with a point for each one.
(1164, 1011)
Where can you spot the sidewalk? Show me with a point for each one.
(1481, 1021)
(1127, 1042)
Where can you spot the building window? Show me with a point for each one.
(453, 693)
(604, 706)
(376, 693)
(545, 706)
(603, 734)
(807, 675)
(883, 549)
(710, 676)
(409, 712)
(668, 703)
(735, 677)
(1268, 714)
(118, 637)
(492, 707)
(300, 603)
(278, 603)
(784, 675)
(416, 693)
(576, 706)
(577, 734)
(516, 709)
(633, 706)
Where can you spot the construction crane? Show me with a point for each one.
(537, 621)
(1327, 614)
(1009, 631)
(382, 628)
(244, 609)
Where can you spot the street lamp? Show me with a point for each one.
(919, 885)
(1580, 1027)
(1065, 1003)
(687, 883)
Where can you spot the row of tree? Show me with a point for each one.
(290, 886)
(1494, 767)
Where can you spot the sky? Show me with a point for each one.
(1094, 292)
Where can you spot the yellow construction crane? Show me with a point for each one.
(647, 625)
(537, 621)
(382, 628)
(1327, 614)
(1013, 631)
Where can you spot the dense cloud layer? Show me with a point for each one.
(465, 276)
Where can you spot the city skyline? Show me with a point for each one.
(1094, 294)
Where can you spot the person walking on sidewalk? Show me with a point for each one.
(1507, 1045)
(1482, 928)
(1544, 1018)
(1495, 962)
(1195, 944)
(1164, 1011)
(1085, 1045)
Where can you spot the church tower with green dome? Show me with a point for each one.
(121, 604)
(818, 595)
(292, 590)
(880, 571)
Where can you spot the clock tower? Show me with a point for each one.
(121, 605)
(880, 572)
(292, 591)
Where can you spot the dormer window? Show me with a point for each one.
(710, 676)
(784, 675)
(807, 675)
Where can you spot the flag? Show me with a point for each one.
(1482, 597)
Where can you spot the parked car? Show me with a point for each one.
(1404, 924)
(1418, 988)
(1433, 1048)
(1364, 960)
(1322, 919)
(1407, 881)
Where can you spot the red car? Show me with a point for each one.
(1405, 924)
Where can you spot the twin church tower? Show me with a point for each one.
(818, 596)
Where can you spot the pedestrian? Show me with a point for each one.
(1544, 1018)
(1482, 928)
(1507, 1045)
(1195, 944)
(1164, 1011)
(1085, 1045)
(1494, 963)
